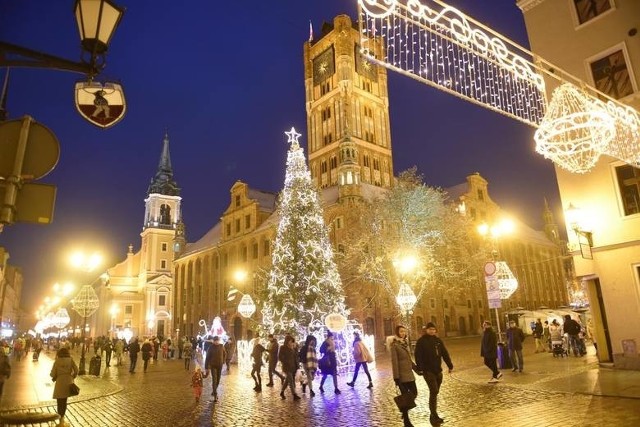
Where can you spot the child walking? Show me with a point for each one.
(196, 382)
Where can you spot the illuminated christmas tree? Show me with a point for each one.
(304, 285)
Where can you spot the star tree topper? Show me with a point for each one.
(293, 137)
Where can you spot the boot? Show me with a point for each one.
(351, 384)
(370, 385)
(406, 420)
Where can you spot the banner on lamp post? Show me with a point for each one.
(493, 291)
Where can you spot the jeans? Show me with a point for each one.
(216, 372)
(434, 381)
(290, 382)
(272, 372)
(516, 359)
(366, 371)
(132, 366)
(409, 387)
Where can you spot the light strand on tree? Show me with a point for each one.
(303, 285)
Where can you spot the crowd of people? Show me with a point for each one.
(301, 364)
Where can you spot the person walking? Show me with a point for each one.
(134, 349)
(310, 362)
(213, 362)
(107, 347)
(546, 335)
(256, 356)
(5, 367)
(489, 351)
(273, 348)
(515, 337)
(362, 357)
(572, 328)
(187, 351)
(329, 363)
(402, 368)
(538, 336)
(289, 361)
(430, 352)
(230, 349)
(63, 371)
(197, 383)
(147, 353)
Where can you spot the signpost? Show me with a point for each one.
(28, 151)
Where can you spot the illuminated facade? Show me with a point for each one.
(597, 41)
(350, 159)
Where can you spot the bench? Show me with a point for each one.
(27, 418)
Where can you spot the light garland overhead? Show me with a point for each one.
(438, 45)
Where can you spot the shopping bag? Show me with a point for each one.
(405, 401)
(74, 390)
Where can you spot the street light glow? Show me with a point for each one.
(240, 276)
(82, 261)
(405, 264)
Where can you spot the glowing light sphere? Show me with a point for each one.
(61, 318)
(336, 322)
(575, 131)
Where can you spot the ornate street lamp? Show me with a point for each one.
(61, 318)
(85, 304)
(406, 299)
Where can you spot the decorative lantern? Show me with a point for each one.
(61, 318)
(406, 299)
(246, 308)
(575, 131)
(507, 282)
(335, 322)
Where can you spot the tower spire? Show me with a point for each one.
(163, 182)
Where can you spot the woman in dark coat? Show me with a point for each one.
(63, 372)
(330, 362)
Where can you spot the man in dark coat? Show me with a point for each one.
(213, 362)
(430, 351)
(515, 337)
(572, 328)
(134, 349)
(273, 348)
(489, 351)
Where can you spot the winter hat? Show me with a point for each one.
(431, 325)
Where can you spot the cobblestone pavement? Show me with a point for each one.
(162, 397)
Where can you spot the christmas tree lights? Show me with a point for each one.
(303, 285)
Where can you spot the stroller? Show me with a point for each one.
(559, 348)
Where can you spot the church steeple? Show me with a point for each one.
(163, 196)
(163, 182)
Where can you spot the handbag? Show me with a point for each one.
(405, 401)
(74, 390)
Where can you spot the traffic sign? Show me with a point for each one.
(41, 152)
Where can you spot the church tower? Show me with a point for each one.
(550, 226)
(346, 102)
(161, 219)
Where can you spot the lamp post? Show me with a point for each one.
(85, 304)
(97, 21)
(500, 281)
(406, 298)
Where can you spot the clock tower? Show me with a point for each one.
(347, 110)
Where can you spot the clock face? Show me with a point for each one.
(323, 66)
(364, 67)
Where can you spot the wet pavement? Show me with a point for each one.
(550, 392)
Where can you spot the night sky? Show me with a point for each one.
(226, 79)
